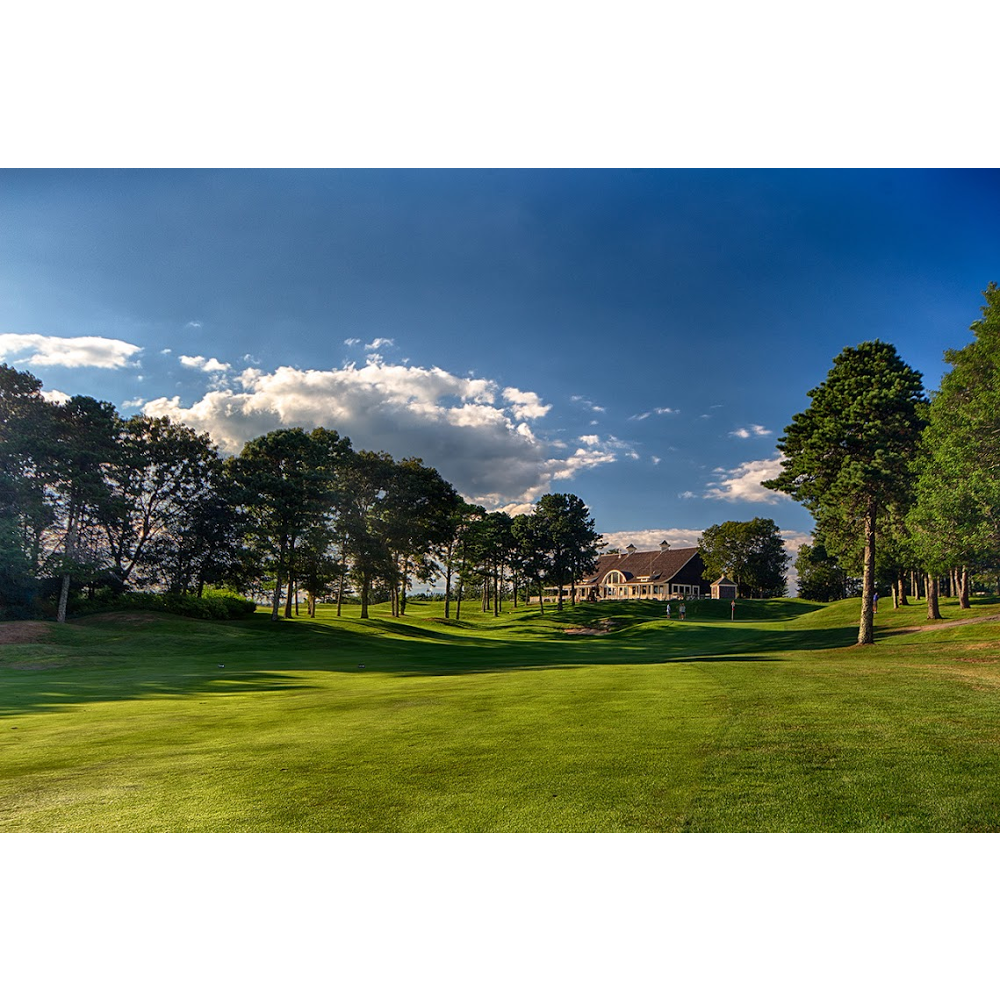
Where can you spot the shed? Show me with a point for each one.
(724, 589)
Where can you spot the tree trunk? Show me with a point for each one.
(364, 595)
(902, 589)
(895, 596)
(276, 598)
(931, 586)
(69, 554)
(447, 583)
(866, 629)
(343, 574)
(541, 596)
(963, 594)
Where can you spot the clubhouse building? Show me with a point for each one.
(665, 574)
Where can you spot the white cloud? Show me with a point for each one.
(379, 342)
(657, 410)
(754, 430)
(197, 361)
(590, 439)
(55, 396)
(65, 352)
(589, 404)
(351, 341)
(525, 405)
(743, 483)
(656, 459)
(454, 423)
(166, 350)
(648, 539)
(193, 324)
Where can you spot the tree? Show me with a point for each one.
(417, 522)
(821, 577)
(82, 447)
(24, 513)
(566, 536)
(160, 471)
(530, 553)
(751, 552)
(957, 515)
(366, 482)
(289, 483)
(848, 457)
(203, 543)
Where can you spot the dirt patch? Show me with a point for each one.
(603, 627)
(936, 625)
(24, 632)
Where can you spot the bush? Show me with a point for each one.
(217, 605)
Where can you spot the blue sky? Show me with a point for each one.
(637, 337)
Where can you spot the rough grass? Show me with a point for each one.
(519, 722)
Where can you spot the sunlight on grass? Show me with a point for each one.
(773, 721)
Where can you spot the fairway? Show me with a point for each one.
(772, 722)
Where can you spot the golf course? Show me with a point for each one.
(606, 717)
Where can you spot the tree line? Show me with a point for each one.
(93, 503)
(902, 487)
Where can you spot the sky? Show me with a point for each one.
(640, 338)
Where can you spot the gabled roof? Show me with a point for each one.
(659, 566)
(723, 581)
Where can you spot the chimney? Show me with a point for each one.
(664, 546)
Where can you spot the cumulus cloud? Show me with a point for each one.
(469, 429)
(379, 342)
(210, 365)
(743, 483)
(134, 404)
(55, 396)
(754, 430)
(525, 405)
(65, 352)
(648, 539)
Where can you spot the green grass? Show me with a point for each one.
(772, 722)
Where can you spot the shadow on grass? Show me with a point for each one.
(172, 657)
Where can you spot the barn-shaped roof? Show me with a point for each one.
(661, 565)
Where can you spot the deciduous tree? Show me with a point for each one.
(751, 552)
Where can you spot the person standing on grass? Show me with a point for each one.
(668, 609)
(875, 603)
(681, 611)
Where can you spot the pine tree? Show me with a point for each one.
(848, 457)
